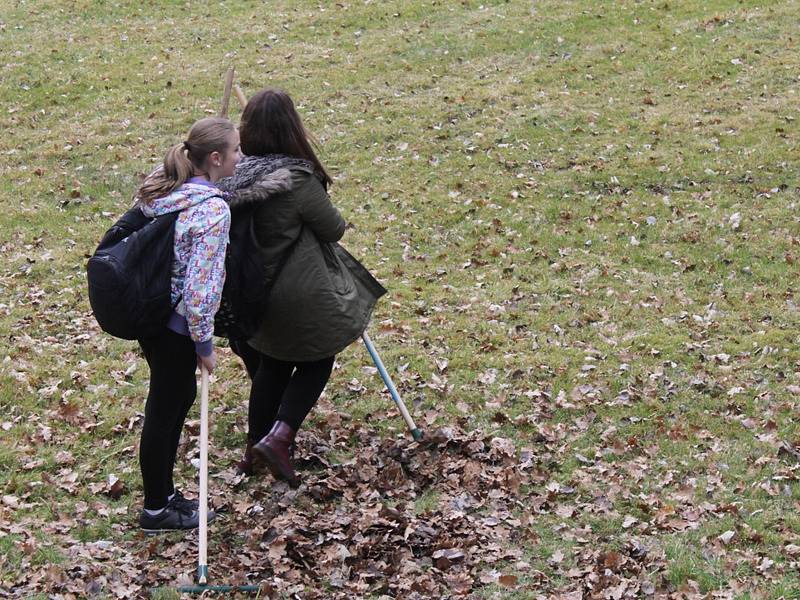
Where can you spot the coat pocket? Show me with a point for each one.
(339, 276)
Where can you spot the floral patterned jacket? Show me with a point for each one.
(198, 273)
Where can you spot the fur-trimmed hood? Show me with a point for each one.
(259, 178)
(268, 186)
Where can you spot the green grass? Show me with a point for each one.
(535, 183)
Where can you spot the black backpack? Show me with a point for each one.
(246, 287)
(130, 275)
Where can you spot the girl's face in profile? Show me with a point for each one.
(231, 157)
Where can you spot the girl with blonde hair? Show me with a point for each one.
(185, 183)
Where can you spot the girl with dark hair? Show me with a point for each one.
(186, 183)
(320, 299)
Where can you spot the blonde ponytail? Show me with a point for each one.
(185, 160)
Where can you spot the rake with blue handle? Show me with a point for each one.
(415, 431)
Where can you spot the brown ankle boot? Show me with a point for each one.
(246, 466)
(274, 449)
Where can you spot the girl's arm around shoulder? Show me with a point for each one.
(316, 208)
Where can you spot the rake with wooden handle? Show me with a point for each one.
(226, 94)
(202, 560)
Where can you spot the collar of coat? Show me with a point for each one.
(259, 178)
(264, 188)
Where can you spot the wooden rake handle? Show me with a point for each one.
(226, 95)
(202, 559)
(240, 96)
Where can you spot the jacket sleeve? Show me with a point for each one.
(318, 212)
(205, 271)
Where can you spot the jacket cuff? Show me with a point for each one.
(204, 348)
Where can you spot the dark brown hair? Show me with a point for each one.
(186, 159)
(270, 125)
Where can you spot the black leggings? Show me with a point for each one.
(285, 391)
(249, 355)
(173, 387)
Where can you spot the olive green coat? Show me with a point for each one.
(321, 298)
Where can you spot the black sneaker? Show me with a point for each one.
(179, 501)
(172, 518)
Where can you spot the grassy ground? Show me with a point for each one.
(587, 217)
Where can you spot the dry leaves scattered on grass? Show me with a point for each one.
(445, 517)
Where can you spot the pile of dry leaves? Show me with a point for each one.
(450, 516)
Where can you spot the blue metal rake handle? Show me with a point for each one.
(415, 432)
